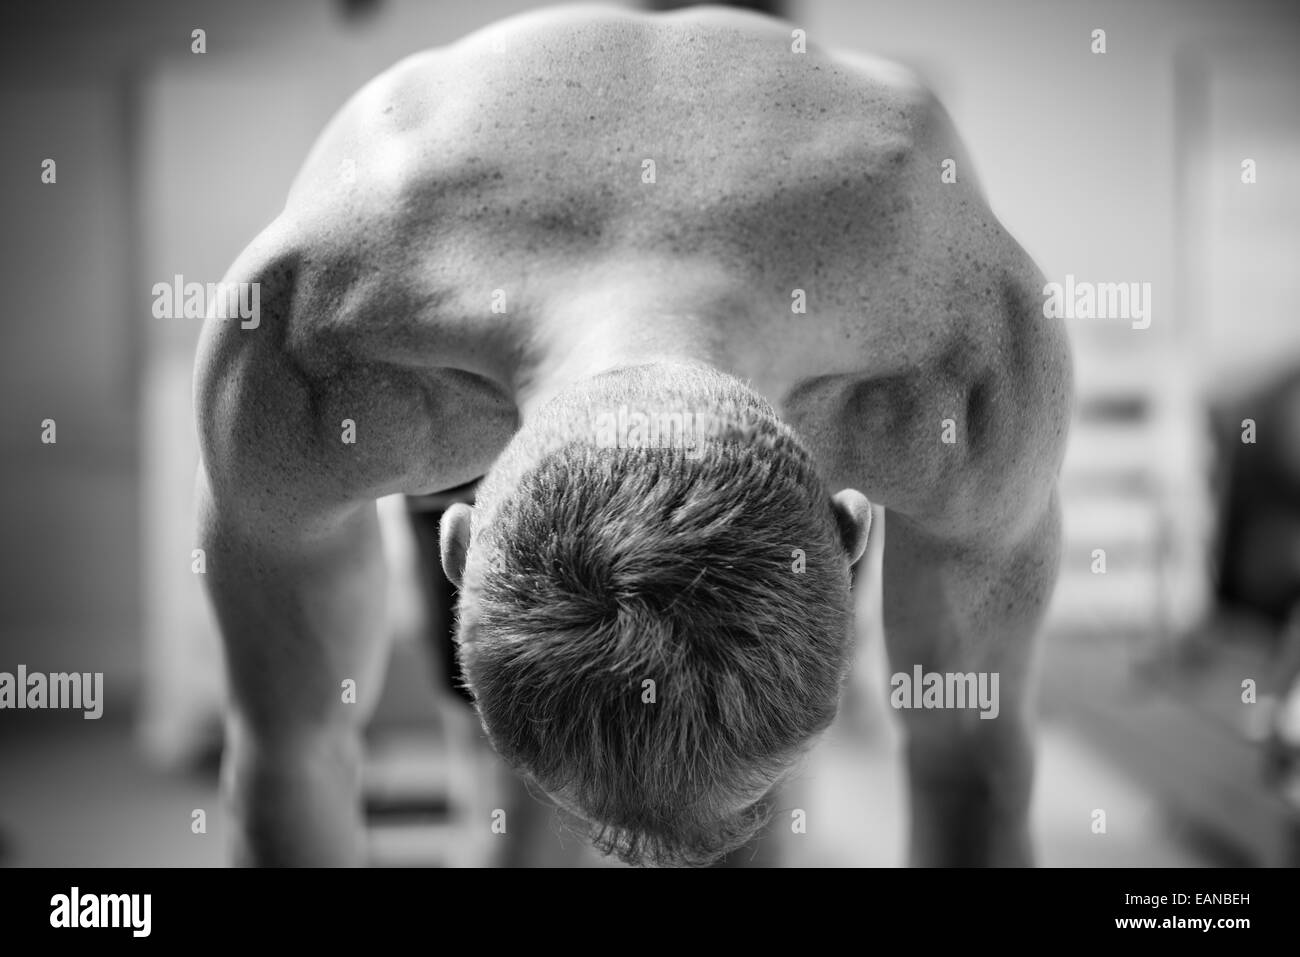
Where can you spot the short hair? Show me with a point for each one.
(717, 573)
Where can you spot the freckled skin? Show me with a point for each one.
(511, 165)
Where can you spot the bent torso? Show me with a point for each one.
(480, 219)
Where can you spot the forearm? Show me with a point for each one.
(970, 770)
(304, 636)
(969, 803)
(295, 802)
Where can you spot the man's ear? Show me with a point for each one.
(853, 514)
(453, 540)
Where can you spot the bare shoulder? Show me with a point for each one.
(1007, 367)
(961, 419)
(266, 459)
(296, 425)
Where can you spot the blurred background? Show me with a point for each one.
(1182, 565)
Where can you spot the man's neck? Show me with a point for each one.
(609, 325)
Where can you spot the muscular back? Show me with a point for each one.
(571, 177)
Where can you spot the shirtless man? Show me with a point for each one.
(495, 244)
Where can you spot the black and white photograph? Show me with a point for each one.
(656, 435)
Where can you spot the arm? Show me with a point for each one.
(972, 531)
(963, 608)
(295, 574)
(297, 618)
(970, 565)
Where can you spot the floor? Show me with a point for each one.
(77, 793)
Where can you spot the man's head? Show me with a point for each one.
(654, 614)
